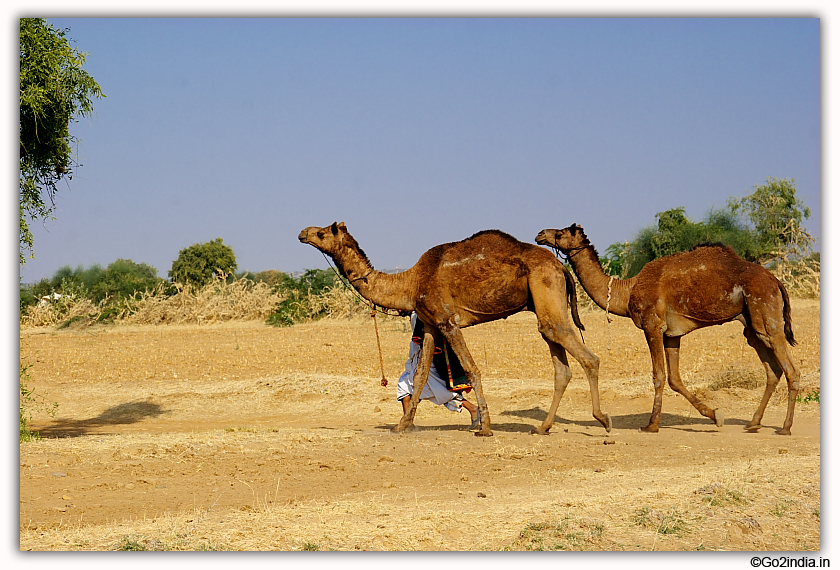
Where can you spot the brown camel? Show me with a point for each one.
(486, 277)
(674, 295)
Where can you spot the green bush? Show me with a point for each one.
(674, 232)
(762, 227)
(122, 279)
(200, 263)
(27, 298)
(299, 293)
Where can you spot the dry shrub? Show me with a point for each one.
(215, 302)
(801, 278)
(747, 379)
(63, 310)
(337, 302)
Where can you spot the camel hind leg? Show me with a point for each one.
(567, 341)
(550, 305)
(774, 368)
(562, 375)
(768, 331)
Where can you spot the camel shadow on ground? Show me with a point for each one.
(122, 414)
(627, 421)
(495, 426)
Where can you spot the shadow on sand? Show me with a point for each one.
(122, 414)
(629, 421)
(624, 421)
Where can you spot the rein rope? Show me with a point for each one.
(609, 296)
(383, 381)
(373, 310)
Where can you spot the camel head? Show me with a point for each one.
(328, 239)
(566, 240)
(335, 241)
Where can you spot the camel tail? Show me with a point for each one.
(571, 291)
(786, 314)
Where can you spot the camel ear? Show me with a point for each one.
(342, 227)
(334, 228)
(574, 229)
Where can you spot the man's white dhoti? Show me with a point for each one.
(435, 389)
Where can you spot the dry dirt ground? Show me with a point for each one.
(247, 437)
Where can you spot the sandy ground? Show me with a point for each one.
(247, 437)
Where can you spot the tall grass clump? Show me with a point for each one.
(218, 301)
(801, 277)
(166, 303)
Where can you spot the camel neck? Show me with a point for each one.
(391, 291)
(598, 285)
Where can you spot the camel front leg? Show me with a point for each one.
(453, 335)
(420, 379)
(672, 358)
(656, 344)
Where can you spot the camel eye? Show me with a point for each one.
(320, 235)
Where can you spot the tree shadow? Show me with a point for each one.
(122, 414)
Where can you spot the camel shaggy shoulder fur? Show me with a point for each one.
(486, 277)
(674, 295)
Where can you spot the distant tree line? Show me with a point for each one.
(196, 266)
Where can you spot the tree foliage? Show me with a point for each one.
(54, 91)
(761, 227)
(200, 263)
(776, 215)
(123, 278)
(299, 292)
(120, 280)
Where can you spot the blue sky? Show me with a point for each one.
(420, 131)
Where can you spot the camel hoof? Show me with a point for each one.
(540, 431)
(407, 429)
(783, 432)
(482, 433)
(607, 422)
(752, 428)
(650, 429)
(719, 418)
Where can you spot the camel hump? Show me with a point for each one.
(493, 233)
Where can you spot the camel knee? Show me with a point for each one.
(772, 381)
(588, 360)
